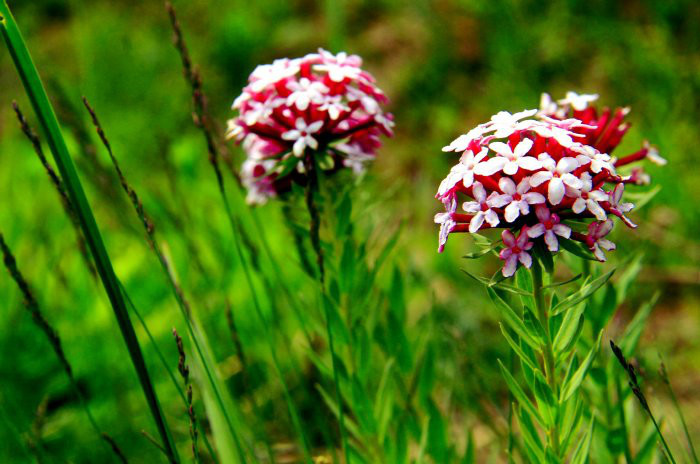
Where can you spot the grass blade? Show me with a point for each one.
(44, 111)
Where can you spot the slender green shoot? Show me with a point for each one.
(47, 118)
(664, 377)
(637, 390)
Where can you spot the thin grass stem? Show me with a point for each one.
(667, 381)
(54, 339)
(166, 267)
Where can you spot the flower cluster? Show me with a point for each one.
(321, 105)
(539, 174)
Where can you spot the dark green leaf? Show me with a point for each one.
(586, 290)
(520, 395)
(512, 319)
(574, 382)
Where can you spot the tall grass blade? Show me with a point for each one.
(47, 118)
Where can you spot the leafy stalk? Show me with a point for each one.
(547, 350)
(44, 111)
(314, 234)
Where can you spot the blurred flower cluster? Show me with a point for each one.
(542, 175)
(322, 105)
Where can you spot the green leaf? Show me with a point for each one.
(490, 283)
(531, 437)
(570, 328)
(574, 382)
(383, 403)
(586, 290)
(340, 331)
(523, 279)
(572, 412)
(546, 403)
(577, 249)
(641, 199)
(580, 455)
(565, 282)
(518, 349)
(627, 277)
(520, 395)
(347, 267)
(511, 319)
(478, 254)
(630, 337)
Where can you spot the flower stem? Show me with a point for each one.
(314, 234)
(547, 349)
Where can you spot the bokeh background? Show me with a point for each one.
(445, 65)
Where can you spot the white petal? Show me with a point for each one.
(579, 205)
(501, 148)
(478, 192)
(498, 201)
(572, 181)
(507, 185)
(567, 164)
(468, 178)
(471, 207)
(555, 191)
(314, 127)
(540, 177)
(510, 168)
(562, 230)
(536, 230)
(510, 266)
(525, 259)
(490, 167)
(551, 240)
(596, 210)
(299, 147)
(476, 222)
(310, 141)
(512, 211)
(291, 135)
(534, 198)
(523, 147)
(529, 163)
(492, 218)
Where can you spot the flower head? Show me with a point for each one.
(322, 105)
(531, 172)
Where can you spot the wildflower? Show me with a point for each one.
(596, 241)
(322, 105)
(481, 208)
(558, 174)
(556, 160)
(516, 250)
(517, 198)
(550, 227)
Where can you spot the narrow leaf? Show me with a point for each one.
(519, 394)
(574, 383)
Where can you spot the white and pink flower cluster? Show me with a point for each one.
(321, 105)
(538, 174)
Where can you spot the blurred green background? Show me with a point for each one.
(445, 65)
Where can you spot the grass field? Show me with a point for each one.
(419, 340)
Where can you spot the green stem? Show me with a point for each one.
(314, 233)
(547, 350)
(44, 111)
